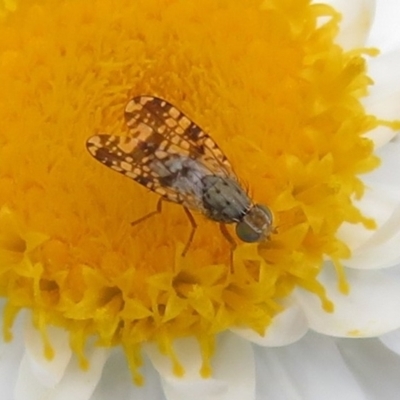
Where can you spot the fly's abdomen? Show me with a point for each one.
(223, 199)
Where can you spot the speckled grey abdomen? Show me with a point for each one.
(224, 200)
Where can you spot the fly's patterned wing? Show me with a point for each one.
(165, 152)
(178, 130)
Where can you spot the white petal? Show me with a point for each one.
(376, 368)
(76, 384)
(373, 249)
(383, 100)
(370, 309)
(27, 386)
(392, 340)
(382, 250)
(233, 358)
(385, 30)
(48, 373)
(390, 164)
(80, 385)
(116, 381)
(310, 369)
(10, 358)
(379, 203)
(357, 18)
(286, 328)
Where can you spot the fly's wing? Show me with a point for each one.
(165, 151)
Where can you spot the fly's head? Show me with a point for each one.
(256, 225)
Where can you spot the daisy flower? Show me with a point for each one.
(303, 107)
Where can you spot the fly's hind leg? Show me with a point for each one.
(192, 232)
(150, 214)
(230, 240)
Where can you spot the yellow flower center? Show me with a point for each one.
(262, 78)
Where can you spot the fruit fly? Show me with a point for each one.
(169, 154)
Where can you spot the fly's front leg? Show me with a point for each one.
(230, 240)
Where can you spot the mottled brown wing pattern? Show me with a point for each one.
(177, 130)
(128, 156)
(165, 152)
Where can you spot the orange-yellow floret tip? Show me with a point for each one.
(264, 79)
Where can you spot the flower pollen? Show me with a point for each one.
(264, 79)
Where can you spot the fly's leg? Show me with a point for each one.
(158, 211)
(229, 238)
(192, 232)
(150, 214)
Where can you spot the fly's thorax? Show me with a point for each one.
(223, 199)
(256, 225)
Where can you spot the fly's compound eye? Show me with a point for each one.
(256, 225)
(246, 233)
(266, 212)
